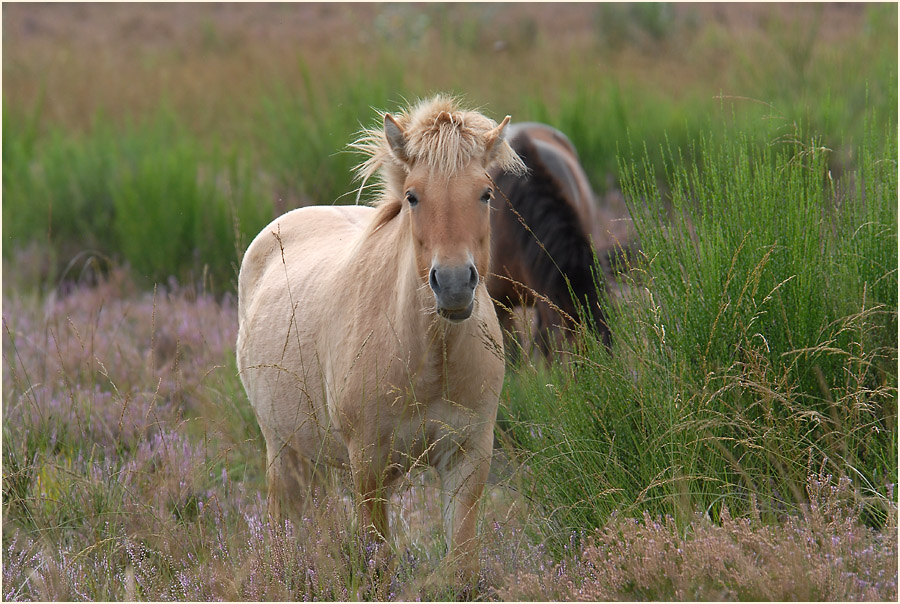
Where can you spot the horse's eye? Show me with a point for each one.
(487, 196)
(411, 198)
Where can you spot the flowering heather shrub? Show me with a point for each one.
(103, 392)
(825, 554)
(245, 558)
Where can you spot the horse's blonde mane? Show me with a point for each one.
(440, 135)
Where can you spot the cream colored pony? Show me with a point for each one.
(367, 338)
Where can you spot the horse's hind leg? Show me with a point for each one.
(274, 489)
(288, 477)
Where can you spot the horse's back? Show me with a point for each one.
(543, 132)
(297, 245)
(560, 158)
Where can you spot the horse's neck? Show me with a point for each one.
(383, 265)
(385, 297)
(387, 253)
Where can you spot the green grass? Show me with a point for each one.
(156, 196)
(756, 343)
(308, 133)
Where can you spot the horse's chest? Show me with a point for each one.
(413, 415)
(417, 403)
(430, 435)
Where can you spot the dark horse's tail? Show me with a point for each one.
(555, 245)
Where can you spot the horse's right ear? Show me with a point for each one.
(395, 137)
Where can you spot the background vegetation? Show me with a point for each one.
(231, 113)
(746, 415)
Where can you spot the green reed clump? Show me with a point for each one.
(57, 189)
(148, 194)
(755, 343)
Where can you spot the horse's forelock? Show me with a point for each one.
(444, 137)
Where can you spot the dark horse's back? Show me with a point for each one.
(541, 251)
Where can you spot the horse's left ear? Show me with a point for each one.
(491, 138)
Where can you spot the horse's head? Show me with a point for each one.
(440, 158)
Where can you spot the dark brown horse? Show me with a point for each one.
(549, 264)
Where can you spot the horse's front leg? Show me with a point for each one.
(462, 483)
(371, 502)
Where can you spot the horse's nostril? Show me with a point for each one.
(432, 280)
(473, 276)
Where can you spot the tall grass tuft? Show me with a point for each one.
(148, 194)
(755, 345)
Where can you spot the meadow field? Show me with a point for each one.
(738, 441)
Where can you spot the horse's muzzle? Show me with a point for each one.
(454, 290)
